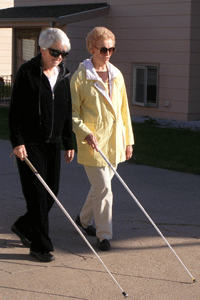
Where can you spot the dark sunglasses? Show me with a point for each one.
(56, 53)
(104, 50)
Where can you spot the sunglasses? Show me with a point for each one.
(104, 50)
(56, 53)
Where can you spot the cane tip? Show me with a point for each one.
(125, 295)
(194, 280)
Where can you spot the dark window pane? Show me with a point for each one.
(151, 85)
(139, 97)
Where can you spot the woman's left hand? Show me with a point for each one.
(129, 152)
(69, 155)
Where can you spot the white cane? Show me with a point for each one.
(144, 211)
(71, 220)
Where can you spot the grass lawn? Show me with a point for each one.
(174, 149)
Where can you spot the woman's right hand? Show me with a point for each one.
(20, 151)
(92, 141)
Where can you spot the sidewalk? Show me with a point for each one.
(139, 260)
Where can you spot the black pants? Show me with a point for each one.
(35, 223)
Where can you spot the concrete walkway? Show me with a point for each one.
(139, 260)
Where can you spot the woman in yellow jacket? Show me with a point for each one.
(101, 118)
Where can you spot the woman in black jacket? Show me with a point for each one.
(40, 118)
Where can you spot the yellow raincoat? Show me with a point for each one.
(107, 117)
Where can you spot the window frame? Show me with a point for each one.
(134, 81)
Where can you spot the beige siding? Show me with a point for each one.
(156, 33)
(6, 44)
(194, 87)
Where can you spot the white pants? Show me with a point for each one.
(98, 205)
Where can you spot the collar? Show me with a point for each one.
(91, 73)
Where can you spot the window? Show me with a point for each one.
(28, 49)
(145, 85)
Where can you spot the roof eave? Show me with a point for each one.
(62, 20)
(82, 16)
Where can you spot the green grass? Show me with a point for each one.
(173, 149)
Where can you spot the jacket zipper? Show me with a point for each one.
(52, 122)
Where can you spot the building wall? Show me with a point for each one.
(155, 33)
(147, 32)
(194, 83)
(5, 44)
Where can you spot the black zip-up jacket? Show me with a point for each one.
(36, 115)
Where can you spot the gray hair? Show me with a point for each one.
(50, 36)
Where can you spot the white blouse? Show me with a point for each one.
(53, 79)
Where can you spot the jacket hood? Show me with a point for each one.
(91, 73)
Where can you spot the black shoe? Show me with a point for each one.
(90, 230)
(42, 256)
(103, 245)
(23, 239)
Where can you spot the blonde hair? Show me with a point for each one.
(97, 34)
